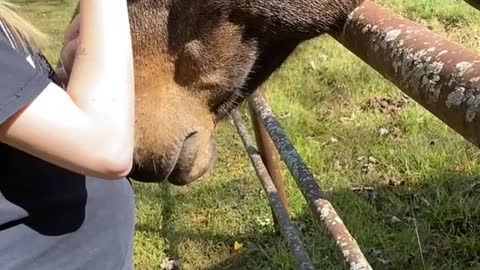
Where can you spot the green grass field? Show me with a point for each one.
(420, 210)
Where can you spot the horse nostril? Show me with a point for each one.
(186, 162)
(194, 159)
(190, 136)
(189, 142)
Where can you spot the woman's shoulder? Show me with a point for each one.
(6, 35)
(23, 76)
(10, 44)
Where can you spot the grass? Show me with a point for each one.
(329, 103)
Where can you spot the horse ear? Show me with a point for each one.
(294, 19)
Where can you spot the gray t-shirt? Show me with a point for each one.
(52, 218)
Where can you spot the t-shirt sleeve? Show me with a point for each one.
(20, 82)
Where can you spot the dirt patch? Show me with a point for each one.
(390, 181)
(396, 134)
(367, 164)
(385, 105)
(366, 192)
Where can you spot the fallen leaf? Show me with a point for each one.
(395, 220)
(169, 264)
(383, 131)
(337, 165)
(391, 181)
(237, 245)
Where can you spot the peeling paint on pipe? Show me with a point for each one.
(440, 75)
(285, 224)
(319, 204)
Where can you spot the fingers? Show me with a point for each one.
(70, 44)
(73, 30)
(68, 54)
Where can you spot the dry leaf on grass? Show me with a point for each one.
(169, 264)
(237, 245)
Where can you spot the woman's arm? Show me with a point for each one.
(89, 128)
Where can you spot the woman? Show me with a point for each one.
(64, 200)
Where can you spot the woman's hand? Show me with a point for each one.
(69, 50)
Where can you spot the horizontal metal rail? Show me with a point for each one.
(440, 75)
(284, 223)
(320, 206)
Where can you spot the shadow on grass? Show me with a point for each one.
(388, 222)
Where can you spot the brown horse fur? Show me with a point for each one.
(196, 60)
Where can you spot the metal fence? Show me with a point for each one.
(440, 75)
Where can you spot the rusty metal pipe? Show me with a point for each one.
(285, 224)
(440, 75)
(321, 207)
(269, 154)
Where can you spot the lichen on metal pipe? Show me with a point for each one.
(285, 224)
(321, 207)
(440, 75)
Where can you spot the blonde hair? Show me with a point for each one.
(24, 31)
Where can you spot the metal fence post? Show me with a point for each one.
(284, 224)
(321, 207)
